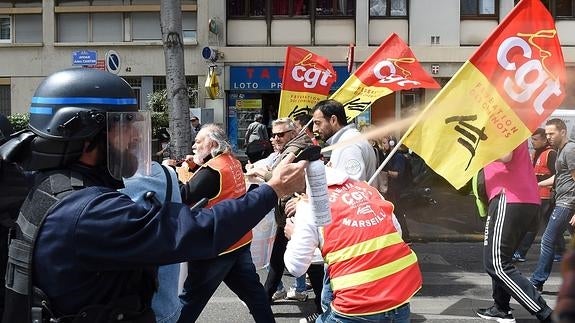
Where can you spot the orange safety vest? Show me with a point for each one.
(371, 269)
(232, 185)
(542, 169)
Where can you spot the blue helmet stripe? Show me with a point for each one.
(85, 100)
(41, 110)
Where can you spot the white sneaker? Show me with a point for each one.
(279, 294)
(295, 295)
(310, 319)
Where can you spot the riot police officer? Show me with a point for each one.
(82, 251)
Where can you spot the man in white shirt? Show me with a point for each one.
(358, 159)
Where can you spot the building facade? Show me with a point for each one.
(245, 42)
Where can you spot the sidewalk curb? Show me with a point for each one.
(453, 237)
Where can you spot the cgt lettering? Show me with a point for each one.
(311, 76)
(519, 87)
(354, 197)
(386, 73)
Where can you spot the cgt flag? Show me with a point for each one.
(306, 80)
(514, 80)
(392, 67)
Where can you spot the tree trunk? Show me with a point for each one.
(178, 103)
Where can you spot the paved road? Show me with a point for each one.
(454, 286)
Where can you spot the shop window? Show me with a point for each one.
(338, 8)
(479, 8)
(388, 8)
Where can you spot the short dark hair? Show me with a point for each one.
(330, 108)
(303, 119)
(558, 123)
(194, 118)
(539, 132)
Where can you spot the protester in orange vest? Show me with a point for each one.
(219, 176)
(373, 272)
(544, 158)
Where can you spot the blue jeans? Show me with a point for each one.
(165, 302)
(558, 223)
(398, 315)
(300, 286)
(326, 292)
(237, 270)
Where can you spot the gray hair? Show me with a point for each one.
(287, 121)
(217, 135)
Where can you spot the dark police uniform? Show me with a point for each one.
(95, 245)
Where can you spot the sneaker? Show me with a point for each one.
(310, 319)
(538, 287)
(557, 258)
(495, 314)
(297, 296)
(517, 257)
(279, 294)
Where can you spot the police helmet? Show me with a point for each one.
(71, 107)
(72, 104)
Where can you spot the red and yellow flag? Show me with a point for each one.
(510, 85)
(306, 80)
(392, 67)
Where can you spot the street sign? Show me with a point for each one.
(100, 65)
(112, 62)
(84, 57)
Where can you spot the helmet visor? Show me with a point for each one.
(129, 144)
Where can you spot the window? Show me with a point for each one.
(479, 8)
(388, 8)
(335, 8)
(5, 29)
(246, 8)
(146, 26)
(290, 8)
(5, 108)
(189, 26)
(560, 8)
(27, 28)
(107, 27)
(86, 27)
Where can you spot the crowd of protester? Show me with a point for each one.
(194, 231)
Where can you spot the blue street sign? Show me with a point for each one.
(112, 62)
(84, 57)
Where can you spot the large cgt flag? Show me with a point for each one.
(306, 80)
(392, 67)
(514, 80)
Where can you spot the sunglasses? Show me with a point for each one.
(280, 134)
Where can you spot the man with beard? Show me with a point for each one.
(220, 177)
(358, 159)
(562, 217)
(82, 250)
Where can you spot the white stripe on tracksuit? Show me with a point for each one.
(496, 254)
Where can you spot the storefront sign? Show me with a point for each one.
(266, 78)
